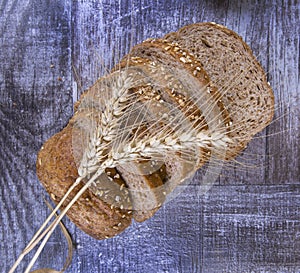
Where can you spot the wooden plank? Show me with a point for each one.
(244, 229)
(248, 222)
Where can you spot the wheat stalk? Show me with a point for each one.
(107, 129)
(106, 150)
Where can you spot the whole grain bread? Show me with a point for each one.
(186, 71)
(57, 171)
(236, 73)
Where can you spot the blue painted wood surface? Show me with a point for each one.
(248, 222)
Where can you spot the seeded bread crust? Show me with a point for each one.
(206, 97)
(176, 56)
(236, 73)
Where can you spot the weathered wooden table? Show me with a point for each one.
(50, 51)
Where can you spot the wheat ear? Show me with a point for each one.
(94, 161)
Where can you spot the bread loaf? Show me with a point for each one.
(164, 111)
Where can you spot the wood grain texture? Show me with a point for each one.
(248, 222)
